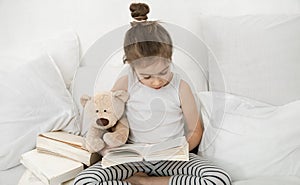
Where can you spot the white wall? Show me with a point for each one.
(23, 21)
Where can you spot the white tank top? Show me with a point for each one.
(154, 115)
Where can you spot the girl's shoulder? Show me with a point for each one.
(184, 88)
(121, 83)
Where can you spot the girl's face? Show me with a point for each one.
(156, 75)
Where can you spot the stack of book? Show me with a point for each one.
(58, 157)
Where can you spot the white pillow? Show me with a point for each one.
(257, 56)
(83, 83)
(249, 138)
(95, 75)
(33, 100)
(63, 47)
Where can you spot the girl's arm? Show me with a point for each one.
(121, 84)
(191, 115)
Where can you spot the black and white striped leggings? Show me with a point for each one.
(196, 171)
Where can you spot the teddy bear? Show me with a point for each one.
(108, 127)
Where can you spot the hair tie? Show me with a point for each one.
(138, 20)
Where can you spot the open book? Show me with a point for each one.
(66, 145)
(173, 150)
(51, 169)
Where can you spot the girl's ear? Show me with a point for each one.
(121, 94)
(83, 99)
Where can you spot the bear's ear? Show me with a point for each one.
(83, 99)
(121, 94)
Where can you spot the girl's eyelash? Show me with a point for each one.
(163, 73)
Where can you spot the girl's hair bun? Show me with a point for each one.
(139, 11)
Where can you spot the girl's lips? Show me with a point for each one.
(160, 86)
(157, 87)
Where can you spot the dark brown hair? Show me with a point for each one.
(146, 38)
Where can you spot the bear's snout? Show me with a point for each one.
(102, 122)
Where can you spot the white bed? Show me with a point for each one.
(245, 76)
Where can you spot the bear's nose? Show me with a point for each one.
(102, 122)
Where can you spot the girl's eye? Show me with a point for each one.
(163, 73)
(147, 77)
(104, 111)
(97, 111)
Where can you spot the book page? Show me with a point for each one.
(137, 148)
(116, 157)
(175, 149)
(65, 137)
(177, 142)
(119, 158)
(179, 153)
(144, 148)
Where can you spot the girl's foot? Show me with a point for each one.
(141, 178)
(137, 178)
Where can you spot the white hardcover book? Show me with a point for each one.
(66, 145)
(51, 169)
(173, 150)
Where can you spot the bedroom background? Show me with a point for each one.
(48, 57)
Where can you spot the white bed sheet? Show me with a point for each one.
(12, 175)
(270, 181)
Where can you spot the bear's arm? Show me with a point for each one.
(120, 134)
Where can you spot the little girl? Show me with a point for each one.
(159, 104)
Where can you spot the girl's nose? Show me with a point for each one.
(156, 81)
